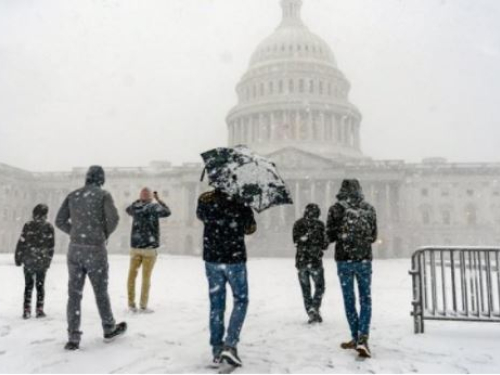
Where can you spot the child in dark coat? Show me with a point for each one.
(34, 251)
(310, 240)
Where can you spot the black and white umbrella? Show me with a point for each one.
(240, 172)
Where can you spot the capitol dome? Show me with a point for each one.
(294, 95)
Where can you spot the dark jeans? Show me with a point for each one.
(318, 277)
(32, 278)
(91, 261)
(362, 273)
(218, 276)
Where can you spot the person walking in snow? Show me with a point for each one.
(34, 251)
(352, 225)
(145, 240)
(226, 222)
(89, 216)
(310, 240)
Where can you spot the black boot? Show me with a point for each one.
(40, 313)
(119, 330)
(71, 346)
(26, 313)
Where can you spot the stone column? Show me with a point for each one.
(328, 192)
(387, 193)
(272, 135)
(297, 199)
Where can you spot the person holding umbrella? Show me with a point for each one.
(241, 181)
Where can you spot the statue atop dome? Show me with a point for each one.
(291, 12)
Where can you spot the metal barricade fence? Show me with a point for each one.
(455, 284)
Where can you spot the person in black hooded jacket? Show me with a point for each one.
(352, 225)
(34, 251)
(310, 240)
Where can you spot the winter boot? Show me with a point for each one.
(349, 345)
(119, 330)
(230, 356)
(363, 348)
(319, 318)
(71, 346)
(40, 313)
(26, 313)
(312, 316)
(217, 359)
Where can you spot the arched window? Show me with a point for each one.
(291, 87)
(262, 89)
(271, 88)
(320, 87)
(311, 86)
(280, 86)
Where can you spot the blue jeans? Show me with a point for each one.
(218, 275)
(362, 272)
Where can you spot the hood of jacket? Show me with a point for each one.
(95, 176)
(312, 212)
(350, 191)
(40, 212)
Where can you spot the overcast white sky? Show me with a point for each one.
(122, 83)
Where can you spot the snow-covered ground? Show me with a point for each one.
(275, 338)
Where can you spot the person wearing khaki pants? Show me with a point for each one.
(147, 259)
(145, 240)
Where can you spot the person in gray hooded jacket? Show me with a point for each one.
(89, 216)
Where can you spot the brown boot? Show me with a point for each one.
(349, 345)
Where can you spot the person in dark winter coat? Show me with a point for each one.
(352, 225)
(34, 251)
(226, 222)
(310, 240)
(145, 239)
(89, 216)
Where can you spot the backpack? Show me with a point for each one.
(356, 225)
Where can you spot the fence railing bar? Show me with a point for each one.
(481, 281)
(443, 280)
(463, 271)
(489, 286)
(453, 284)
(433, 282)
(424, 261)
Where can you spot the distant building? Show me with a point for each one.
(293, 105)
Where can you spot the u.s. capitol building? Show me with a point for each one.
(293, 105)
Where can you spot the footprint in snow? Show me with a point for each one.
(4, 331)
(44, 341)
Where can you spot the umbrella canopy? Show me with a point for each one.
(240, 172)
